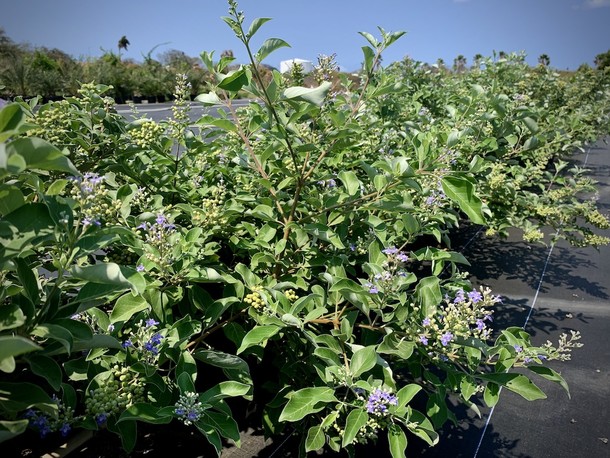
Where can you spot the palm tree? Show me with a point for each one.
(123, 43)
(544, 60)
(459, 64)
(477, 59)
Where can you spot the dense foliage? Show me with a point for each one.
(295, 252)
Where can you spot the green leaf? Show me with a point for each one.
(15, 397)
(550, 374)
(211, 435)
(491, 395)
(461, 191)
(145, 412)
(55, 332)
(24, 227)
(393, 345)
(363, 360)
(111, 274)
(350, 181)
(256, 24)
(370, 38)
(257, 335)
(517, 383)
(11, 346)
(369, 57)
(356, 419)
(39, 154)
(211, 98)
(531, 125)
(429, 294)
(10, 429)
(226, 389)
(223, 423)
(127, 306)
(128, 431)
(406, 393)
(11, 198)
(315, 439)
(270, 45)
(46, 367)
(233, 366)
(315, 95)
(11, 317)
(397, 441)
(306, 401)
(234, 80)
(11, 118)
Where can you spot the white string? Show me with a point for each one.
(532, 306)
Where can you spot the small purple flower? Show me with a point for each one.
(488, 318)
(390, 250)
(459, 297)
(332, 183)
(110, 327)
(378, 402)
(426, 321)
(542, 357)
(423, 340)
(193, 416)
(161, 219)
(65, 429)
(475, 296)
(352, 247)
(140, 268)
(179, 411)
(518, 348)
(151, 322)
(446, 338)
(402, 257)
(156, 338)
(101, 418)
(151, 347)
(528, 360)
(480, 324)
(127, 344)
(372, 288)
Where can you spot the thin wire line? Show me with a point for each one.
(532, 306)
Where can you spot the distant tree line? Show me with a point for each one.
(52, 74)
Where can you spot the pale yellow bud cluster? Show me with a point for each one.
(147, 134)
(254, 298)
(291, 295)
(54, 122)
(533, 235)
(597, 219)
(123, 389)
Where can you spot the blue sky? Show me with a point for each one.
(571, 32)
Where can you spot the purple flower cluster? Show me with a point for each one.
(446, 338)
(395, 254)
(44, 425)
(378, 402)
(153, 344)
(330, 183)
(146, 340)
(188, 408)
(157, 229)
(88, 182)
